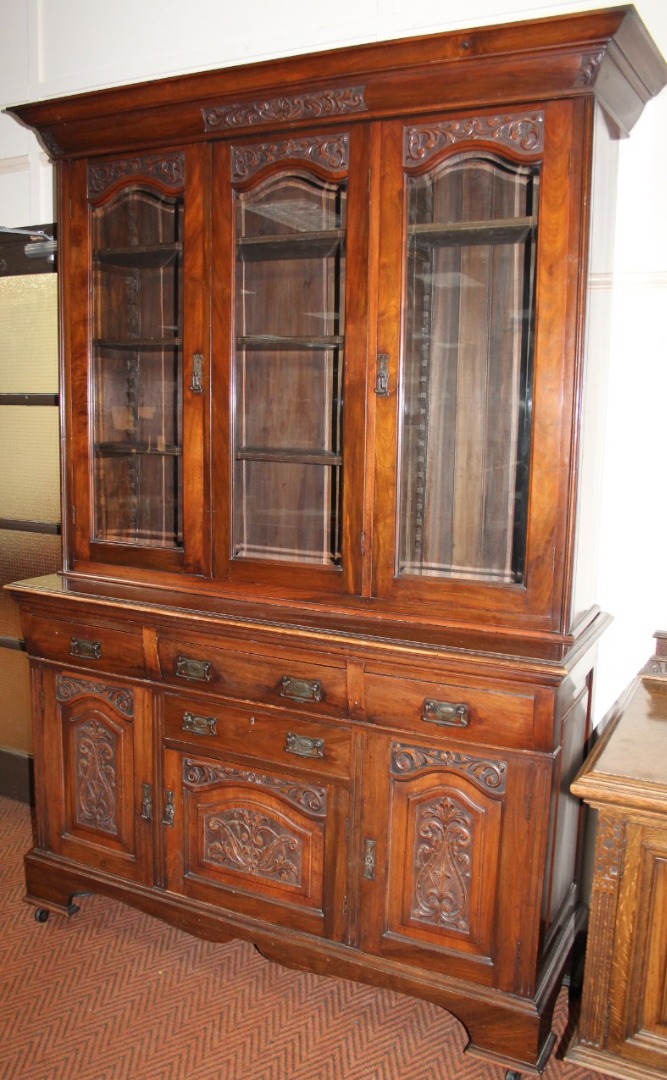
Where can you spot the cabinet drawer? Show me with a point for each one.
(286, 681)
(435, 708)
(283, 741)
(85, 645)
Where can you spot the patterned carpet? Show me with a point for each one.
(113, 994)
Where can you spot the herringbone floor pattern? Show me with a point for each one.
(112, 994)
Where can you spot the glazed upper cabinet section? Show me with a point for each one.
(140, 226)
(295, 244)
(468, 498)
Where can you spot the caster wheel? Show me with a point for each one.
(41, 914)
(512, 1075)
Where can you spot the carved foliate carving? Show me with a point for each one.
(306, 106)
(487, 774)
(521, 132)
(588, 69)
(307, 797)
(120, 697)
(169, 171)
(329, 152)
(96, 769)
(656, 667)
(253, 843)
(610, 837)
(444, 835)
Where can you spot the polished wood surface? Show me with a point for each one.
(315, 674)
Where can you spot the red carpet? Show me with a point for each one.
(112, 994)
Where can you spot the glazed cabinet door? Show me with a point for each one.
(452, 840)
(477, 339)
(95, 751)
(137, 358)
(262, 840)
(290, 234)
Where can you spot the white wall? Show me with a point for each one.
(52, 47)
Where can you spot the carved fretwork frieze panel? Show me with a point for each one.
(308, 797)
(339, 101)
(331, 153)
(168, 170)
(95, 753)
(444, 836)
(521, 132)
(252, 842)
(489, 775)
(120, 697)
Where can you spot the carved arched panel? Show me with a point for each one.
(444, 861)
(259, 833)
(98, 763)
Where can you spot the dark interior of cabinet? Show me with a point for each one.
(290, 318)
(467, 369)
(137, 368)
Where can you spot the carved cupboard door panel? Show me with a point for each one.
(446, 885)
(96, 756)
(259, 841)
(637, 1025)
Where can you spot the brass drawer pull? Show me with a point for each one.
(303, 746)
(300, 689)
(199, 725)
(89, 650)
(193, 670)
(445, 713)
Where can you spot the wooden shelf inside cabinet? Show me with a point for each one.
(151, 257)
(308, 245)
(135, 344)
(284, 341)
(468, 233)
(123, 449)
(288, 454)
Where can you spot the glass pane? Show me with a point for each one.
(290, 278)
(23, 555)
(29, 334)
(467, 370)
(30, 474)
(137, 369)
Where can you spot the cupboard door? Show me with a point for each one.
(290, 263)
(138, 360)
(637, 1026)
(265, 842)
(447, 886)
(476, 407)
(98, 773)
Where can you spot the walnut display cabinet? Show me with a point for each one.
(318, 670)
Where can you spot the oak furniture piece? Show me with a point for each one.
(623, 1025)
(318, 670)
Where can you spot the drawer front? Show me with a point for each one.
(283, 741)
(432, 708)
(285, 681)
(85, 645)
